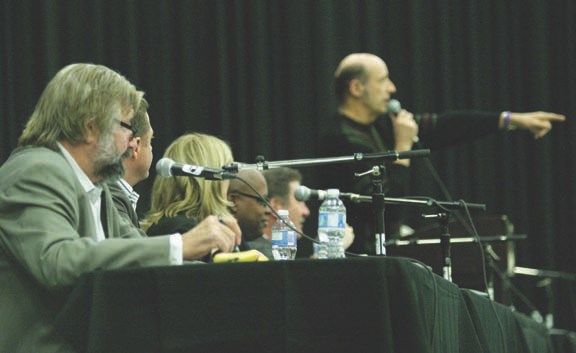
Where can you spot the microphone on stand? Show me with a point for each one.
(303, 193)
(166, 167)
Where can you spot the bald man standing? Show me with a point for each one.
(363, 88)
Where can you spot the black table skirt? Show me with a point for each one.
(370, 304)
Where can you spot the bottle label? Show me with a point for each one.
(284, 238)
(278, 238)
(332, 220)
(291, 238)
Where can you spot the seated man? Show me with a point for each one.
(282, 184)
(136, 161)
(251, 210)
(59, 224)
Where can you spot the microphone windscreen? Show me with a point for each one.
(164, 167)
(394, 106)
(302, 193)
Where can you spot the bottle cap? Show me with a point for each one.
(282, 213)
(334, 193)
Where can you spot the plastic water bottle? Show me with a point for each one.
(332, 224)
(321, 248)
(283, 238)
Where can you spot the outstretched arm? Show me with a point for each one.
(538, 123)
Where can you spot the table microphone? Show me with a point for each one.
(304, 193)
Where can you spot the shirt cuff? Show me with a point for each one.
(176, 249)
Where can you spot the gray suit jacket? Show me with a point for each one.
(47, 241)
(124, 206)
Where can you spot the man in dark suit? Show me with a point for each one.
(137, 161)
(57, 219)
(249, 195)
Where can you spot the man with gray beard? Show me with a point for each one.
(57, 218)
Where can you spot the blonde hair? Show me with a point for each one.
(76, 93)
(196, 198)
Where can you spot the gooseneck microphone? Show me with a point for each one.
(166, 167)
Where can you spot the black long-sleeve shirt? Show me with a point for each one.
(345, 137)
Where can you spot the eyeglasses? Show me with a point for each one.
(261, 200)
(127, 126)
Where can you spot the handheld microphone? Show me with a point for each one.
(166, 167)
(394, 107)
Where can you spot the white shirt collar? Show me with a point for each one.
(94, 192)
(129, 191)
(124, 185)
(86, 183)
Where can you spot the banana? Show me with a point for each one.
(242, 256)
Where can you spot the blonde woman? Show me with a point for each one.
(178, 203)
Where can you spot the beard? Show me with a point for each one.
(108, 163)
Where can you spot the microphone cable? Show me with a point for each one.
(275, 213)
(471, 228)
(483, 257)
(468, 226)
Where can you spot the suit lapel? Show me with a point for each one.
(105, 211)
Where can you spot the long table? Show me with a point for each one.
(366, 304)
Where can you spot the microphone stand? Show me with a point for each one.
(376, 172)
(546, 280)
(449, 205)
(262, 164)
(491, 267)
(378, 201)
(443, 220)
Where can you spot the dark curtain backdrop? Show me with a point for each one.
(258, 73)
